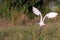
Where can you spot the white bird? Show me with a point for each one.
(49, 15)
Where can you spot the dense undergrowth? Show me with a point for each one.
(30, 32)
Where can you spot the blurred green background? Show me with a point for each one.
(18, 22)
(21, 10)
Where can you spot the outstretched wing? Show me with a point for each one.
(51, 14)
(36, 11)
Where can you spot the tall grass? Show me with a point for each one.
(29, 33)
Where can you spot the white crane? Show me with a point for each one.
(49, 15)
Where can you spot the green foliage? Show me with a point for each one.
(4, 10)
(23, 6)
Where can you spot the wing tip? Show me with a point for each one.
(33, 7)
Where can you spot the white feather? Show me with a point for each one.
(51, 15)
(36, 11)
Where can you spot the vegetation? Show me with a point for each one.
(22, 6)
(18, 22)
(10, 9)
(50, 32)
